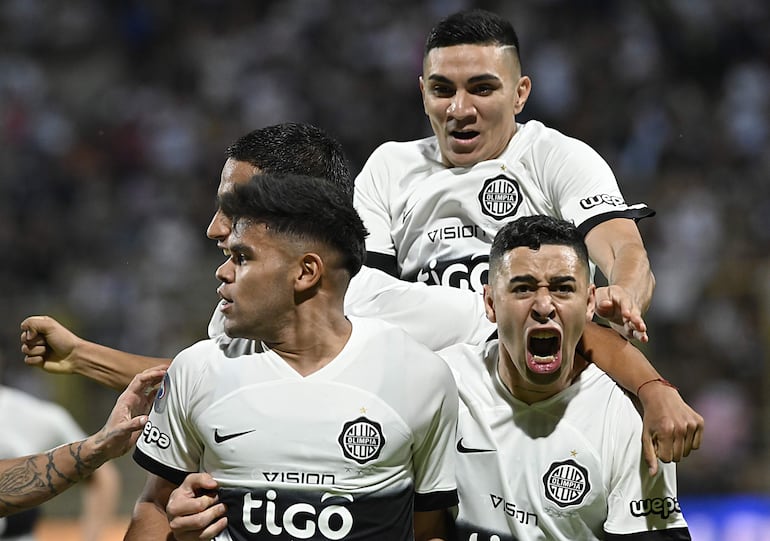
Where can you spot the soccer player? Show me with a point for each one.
(548, 447)
(435, 316)
(332, 426)
(433, 206)
(28, 481)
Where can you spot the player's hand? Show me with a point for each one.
(193, 509)
(671, 428)
(129, 415)
(621, 310)
(47, 344)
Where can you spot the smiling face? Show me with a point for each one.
(541, 300)
(471, 94)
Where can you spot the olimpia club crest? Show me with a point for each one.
(566, 483)
(361, 440)
(500, 197)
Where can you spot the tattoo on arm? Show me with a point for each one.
(30, 481)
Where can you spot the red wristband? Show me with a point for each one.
(661, 380)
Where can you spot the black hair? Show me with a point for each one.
(533, 232)
(301, 207)
(473, 27)
(294, 149)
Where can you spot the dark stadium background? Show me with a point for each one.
(114, 117)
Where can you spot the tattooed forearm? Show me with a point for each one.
(52, 473)
(29, 481)
(87, 461)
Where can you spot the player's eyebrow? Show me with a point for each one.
(240, 248)
(475, 79)
(554, 280)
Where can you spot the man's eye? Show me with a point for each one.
(563, 289)
(483, 90)
(442, 91)
(239, 259)
(522, 289)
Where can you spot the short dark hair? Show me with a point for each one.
(301, 207)
(473, 27)
(533, 232)
(294, 149)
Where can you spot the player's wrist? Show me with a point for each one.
(90, 453)
(83, 358)
(653, 386)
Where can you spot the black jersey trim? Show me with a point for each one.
(671, 534)
(161, 470)
(435, 500)
(634, 214)
(384, 262)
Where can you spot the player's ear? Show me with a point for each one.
(591, 306)
(489, 304)
(311, 268)
(422, 92)
(523, 88)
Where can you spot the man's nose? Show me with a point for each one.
(224, 272)
(461, 106)
(219, 227)
(542, 308)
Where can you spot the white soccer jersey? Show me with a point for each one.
(30, 426)
(439, 222)
(344, 453)
(569, 467)
(435, 317)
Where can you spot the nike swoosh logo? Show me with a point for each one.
(463, 449)
(219, 438)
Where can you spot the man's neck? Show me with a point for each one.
(309, 347)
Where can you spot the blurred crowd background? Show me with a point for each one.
(114, 117)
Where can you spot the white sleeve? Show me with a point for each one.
(583, 185)
(636, 501)
(435, 316)
(168, 445)
(371, 198)
(434, 454)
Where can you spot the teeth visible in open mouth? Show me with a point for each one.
(226, 252)
(543, 345)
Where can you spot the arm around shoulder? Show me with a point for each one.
(672, 429)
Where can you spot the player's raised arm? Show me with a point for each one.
(617, 248)
(671, 428)
(49, 345)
